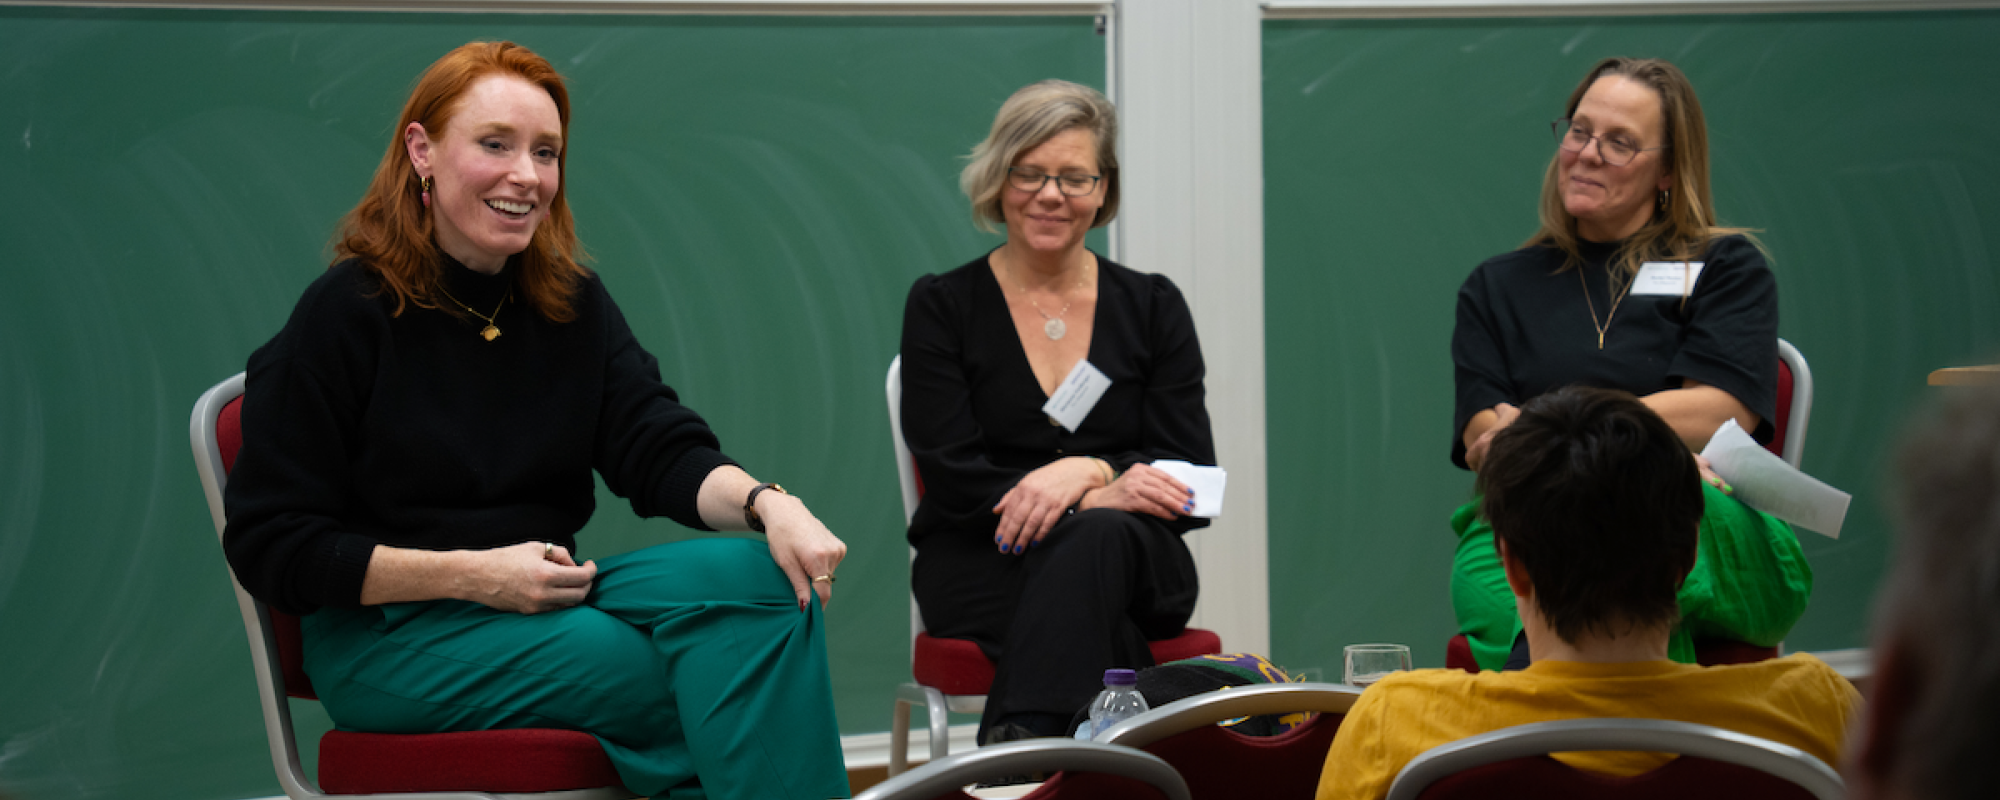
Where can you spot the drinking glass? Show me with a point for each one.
(1368, 663)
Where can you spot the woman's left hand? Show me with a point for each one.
(802, 546)
(1040, 500)
(1708, 475)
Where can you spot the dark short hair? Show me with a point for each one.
(1939, 609)
(1599, 500)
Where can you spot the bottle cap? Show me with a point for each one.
(1120, 677)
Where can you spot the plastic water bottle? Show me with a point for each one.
(1119, 701)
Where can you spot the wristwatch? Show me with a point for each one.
(750, 515)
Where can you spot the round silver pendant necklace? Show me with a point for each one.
(1052, 327)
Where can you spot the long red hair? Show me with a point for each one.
(390, 230)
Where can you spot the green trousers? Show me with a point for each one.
(691, 662)
(1750, 582)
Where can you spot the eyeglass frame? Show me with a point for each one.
(1561, 128)
(1095, 181)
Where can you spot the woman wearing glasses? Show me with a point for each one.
(1057, 549)
(1629, 284)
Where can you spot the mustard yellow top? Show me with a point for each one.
(1797, 700)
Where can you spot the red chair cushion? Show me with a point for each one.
(229, 432)
(1544, 778)
(1092, 786)
(1220, 763)
(526, 760)
(952, 666)
(1713, 652)
(1458, 654)
(1782, 414)
(958, 667)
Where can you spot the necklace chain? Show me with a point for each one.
(1052, 327)
(492, 329)
(1619, 298)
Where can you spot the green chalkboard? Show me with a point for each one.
(1399, 154)
(758, 193)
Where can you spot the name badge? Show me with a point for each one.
(1667, 277)
(1076, 396)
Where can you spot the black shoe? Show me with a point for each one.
(1000, 734)
(1006, 732)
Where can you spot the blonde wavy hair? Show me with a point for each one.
(1034, 115)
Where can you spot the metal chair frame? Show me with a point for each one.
(264, 659)
(1611, 733)
(1209, 708)
(1027, 756)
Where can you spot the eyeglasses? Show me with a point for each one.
(1071, 184)
(1615, 151)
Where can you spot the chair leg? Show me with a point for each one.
(940, 723)
(899, 738)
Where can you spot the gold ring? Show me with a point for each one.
(827, 577)
(548, 549)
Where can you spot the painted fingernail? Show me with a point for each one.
(1019, 549)
(1186, 507)
(1190, 492)
(1034, 544)
(1727, 489)
(996, 538)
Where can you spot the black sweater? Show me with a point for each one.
(362, 427)
(1525, 329)
(972, 407)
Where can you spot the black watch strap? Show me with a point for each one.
(750, 515)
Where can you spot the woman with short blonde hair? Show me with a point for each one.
(1055, 546)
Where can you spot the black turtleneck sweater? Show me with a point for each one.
(1524, 329)
(364, 427)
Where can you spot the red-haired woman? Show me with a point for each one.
(417, 456)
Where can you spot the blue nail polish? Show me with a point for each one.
(996, 538)
(1186, 507)
(1190, 492)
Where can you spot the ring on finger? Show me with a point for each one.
(827, 577)
(548, 549)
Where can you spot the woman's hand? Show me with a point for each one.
(1708, 475)
(1145, 490)
(527, 578)
(1040, 500)
(802, 546)
(1480, 430)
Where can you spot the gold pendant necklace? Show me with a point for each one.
(1587, 304)
(492, 330)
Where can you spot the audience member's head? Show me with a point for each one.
(1932, 725)
(1597, 500)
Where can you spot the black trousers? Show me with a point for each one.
(1053, 619)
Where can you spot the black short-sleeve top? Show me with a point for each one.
(1525, 328)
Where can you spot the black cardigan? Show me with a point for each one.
(972, 406)
(364, 427)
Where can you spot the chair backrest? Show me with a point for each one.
(1795, 399)
(1220, 763)
(906, 471)
(1087, 770)
(906, 466)
(1713, 764)
(215, 433)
